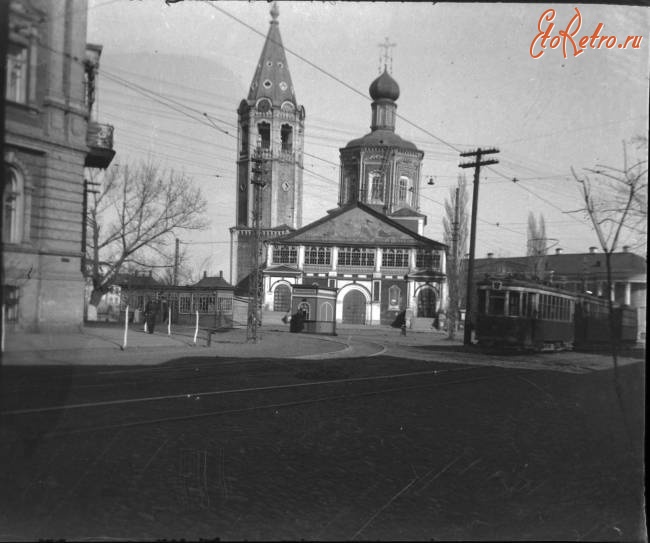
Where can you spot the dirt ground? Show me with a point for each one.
(535, 455)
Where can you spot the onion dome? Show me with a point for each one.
(384, 87)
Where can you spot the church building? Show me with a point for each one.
(371, 249)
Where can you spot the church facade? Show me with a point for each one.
(371, 249)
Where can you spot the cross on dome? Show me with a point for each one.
(386, 46)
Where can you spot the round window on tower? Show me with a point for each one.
(283, 86)
(267, 84)
(280, 64)
(269, 63)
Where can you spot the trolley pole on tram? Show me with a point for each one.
(469, 321)
(254, 292)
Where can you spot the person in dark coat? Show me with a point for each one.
(151, 313)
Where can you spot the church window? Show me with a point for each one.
(286, 136)
(354, 256)
(264, 130)
(318, 255)
(403, 189)
(395, 258)
(244, 140)
(12, 203)
(269, 63)
(394, 298)
(423, 259)
(376, 187)
(267, 84)
(428, 259)
(285, 254)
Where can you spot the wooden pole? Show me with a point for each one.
(126, 327)
(196, 329)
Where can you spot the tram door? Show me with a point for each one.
(354, 308)
(427, 303)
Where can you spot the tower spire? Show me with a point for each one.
(272, 79)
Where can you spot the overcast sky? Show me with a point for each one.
(467, 79)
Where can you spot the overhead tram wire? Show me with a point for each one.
(153, 96)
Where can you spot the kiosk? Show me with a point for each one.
(313, 309)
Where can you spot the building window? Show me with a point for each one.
(354, 256)
(185, 303)
(376, 291)
(428, 259)
(21, 60)
(282, 298)
(376, 187)
(264, 130)
(318, 256)
(224, 304)
(395, 258)
(304, 309)
(204, 303)
(285, 254)
(244, 140)
(394, 298)
(12, 204)
(11, 301)
(286, 137)
(403, 189)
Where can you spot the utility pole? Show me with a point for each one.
(176, 259)
(454, 297)
(469, 321)
(254, 287)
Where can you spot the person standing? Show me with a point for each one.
(151, 313)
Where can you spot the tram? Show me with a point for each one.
(520, 314)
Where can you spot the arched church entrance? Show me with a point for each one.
(282, 298)
(426, 302)
(354, 308)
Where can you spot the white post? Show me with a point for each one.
(169, 321)
(2, 349)
(196, 329)
(126, 326)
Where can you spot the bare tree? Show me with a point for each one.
(536, 246)
(134, 217)
(616, 203)
(456, 234)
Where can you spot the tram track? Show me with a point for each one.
(169, 409)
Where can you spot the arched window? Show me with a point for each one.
(282, 298)
(264, 131)
(286, 136)
(12, 203)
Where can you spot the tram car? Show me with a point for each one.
(592, 327)
(520, 314)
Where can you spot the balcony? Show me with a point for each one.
(99, 139)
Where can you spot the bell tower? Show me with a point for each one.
(270, 125)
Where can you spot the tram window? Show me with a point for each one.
(513, 304)
(497, 302)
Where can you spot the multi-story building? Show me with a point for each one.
(49, 139)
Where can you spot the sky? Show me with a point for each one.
(172, 77)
